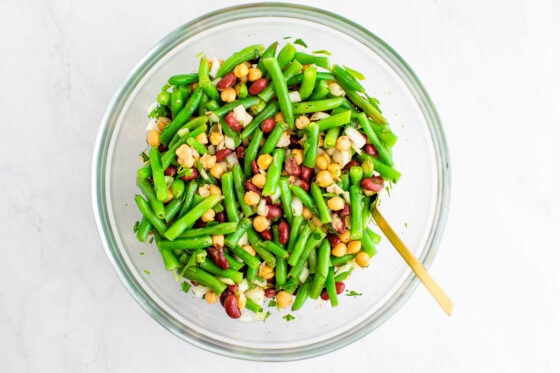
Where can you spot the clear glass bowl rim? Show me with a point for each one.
(213, 19)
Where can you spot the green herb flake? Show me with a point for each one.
(287, 37)
(151, 239)
(136, 227)
(185, 286)
(141, 253)
(289, 317)
(146, 272)
(352, 293)
(406, 224)
(322, 51)
(300, 42)
(272, 303)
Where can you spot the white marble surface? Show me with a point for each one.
(493, 71)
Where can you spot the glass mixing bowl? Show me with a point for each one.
(416, 207)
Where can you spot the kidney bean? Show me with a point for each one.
(350, 164)
(224, 295)
(325, 295)
(292, 167)
(334, 240)
(240, 152)
(306, 173)
(193, 175)
(267, 125)
(340, 286)
(373, 184)
(302, 184)
(218, 257)
(226, 82)
(284, 232)
(266, 235)
(338, 224)
(258, 86)
(255, 167)
(171, 171)
(370, 149)
(270, 292)
(162, 148)
(232, 121)
(273, 211)
(252, 187)
(194, 283)
(222, 154)
(233, 288)
(270, 202)
(199, 224)
(231, 306)
(345, 210)
(220, 217)
(294, 142)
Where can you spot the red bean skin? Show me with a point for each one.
(284, 232)
(226, 82)
(258, 86)
(231, 307)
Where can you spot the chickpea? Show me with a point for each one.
(183, 151)
(210, 297)
(202, 138)
(343, 143)
(261, 223)
(241, 70)
(187, 162)
(278, 117)
(254, 74)
(302, 122)
(204, 190)
(208, 161)
(323, 161)
(217, 170)
(306, 213)
(162, 122)
(324, 179)
(152, 138)
(298, 155)
(336, 203)
(265, 271)
(283, 299)
(354, 247)
(218, 240)
(215, 190)
(228, 95)
(316, 221)
(216, 138)
(264, 161)
(339, 250)
(345, 236)
(249, 249)
(208, 216)
(241, 300)
(251, 198)
(335, 169)
(259, 180)
(362, 259)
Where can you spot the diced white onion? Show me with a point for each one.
(304, 274)
(232, 160)
(318, 116)
(284, 141)
(262, 210)
(297, 206)
(243, 286)
(342, 157)
(334, 188)
(213, 117)
(356, 137)
(294, 96)
(244, 240)
(199, 290)
(276, 196)
(152, 124)
(227, 281)
(229, 143)
(215, 66)
(256, 294)
(242, 116)
(335, 89)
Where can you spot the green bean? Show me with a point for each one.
(143, 172)
(250, 260)
(386, 171)
(293, 69)
(229, 132)
(177, 188)
(193, 243)
(308, 82)
(314, 240)
(189, 128)
(345, 181)
(273, 138)
(229, 197)
(281, 270)
(253, 236)
(323, 258)
(331, 288)
(263, 252)
(182, 117)
(319, 76)
(308, 59)
(320, 92)
(384, 133)
(383, 154)
(233, 239)
(252, 151)
(196, 145)
(299, 245)
(330, 138)
(202, 105)
(340, 260)
(367, 167)
(270, 109)
(172, 208)
(252, 306)
(188, 220)
(251, 273)
(319, 105)
(375, 238)
(189, 198)
(176, 102)
(243, 90)
(365, 105)
(158, 176)
(212, 268)
(274, 172)
(144, 228)
(275, 248)
(286, 199)
(246, 102)
(148, 190)
(270, 51)
(281, 89)
(201, 276)
(183, 79)
(245, 54)
(295, 228)
(275, 234)
(239, 188)
(234, 264)
(344, 78)
(368, 245)
(356, 175)
(317, 285)
(147, 211)
(335, 120)
(286, 55)
(170, 261)
(322, 208)
(355, 212)
(312, 261)
(343, 275)
(204, 79)
(212, 105)
(210, 230)
(301, 296)
(311, 145)
(305, 198)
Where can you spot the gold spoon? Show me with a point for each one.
(413, 263)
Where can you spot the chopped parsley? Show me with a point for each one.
(300, 42)
(352, 293)
(289, 317)
(185, 286)
(322, 51)
(146, 272)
